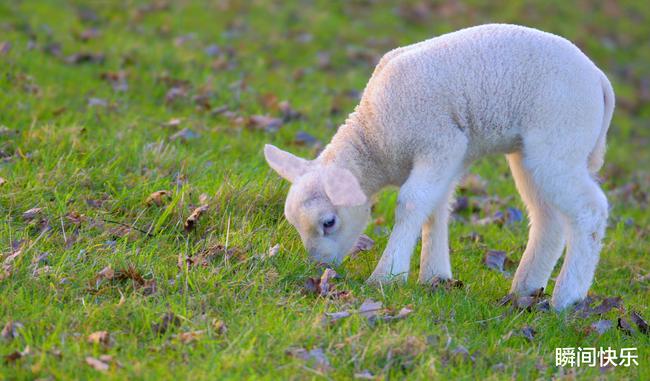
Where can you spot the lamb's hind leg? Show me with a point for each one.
(434, 257)
(546, 236)
(568, 186)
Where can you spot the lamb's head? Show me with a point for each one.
(325, 204)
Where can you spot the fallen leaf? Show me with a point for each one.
(601, 326)
(640, 322)
(333, 317)
(496, 260)
(190, 222)
(219, 326)
(97, 364)
(474, 184)
(608, 304)
(32, 213)
(370, 309)
(85, 57)
(158, 197)
(168, 320)
(303, 138)
(12, 357)
(315, 357)
(624, 325)
(364, 243)
(273, 251)
(364, 375)
(2, 181)
(189, 337)
(10, 330)
(264, 122)
(528, 332)
(173, 123)
(446, 284)
(184, 135)
(99, 337)
(403, 313)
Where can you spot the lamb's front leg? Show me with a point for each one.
(426, 186)
(434, 257)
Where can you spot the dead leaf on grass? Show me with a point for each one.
(167, 321)
(264, 122)
(2, 181)
(364, 243)
(97, 364)
(600, 327)
(640, 322)
(624, 325)
(191, 221)
(324, 287)
(85, 57)
(189, 337)
(158, 197)
(10, 330)
(100, 337)
(370, 309)
(32, 214)
(315, 357)
(497, 260)
(528, 332)
(438, 283)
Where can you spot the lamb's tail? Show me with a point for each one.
(597, 155)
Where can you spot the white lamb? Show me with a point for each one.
(430, 110)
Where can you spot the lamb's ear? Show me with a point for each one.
(342, 187)
(285, 164)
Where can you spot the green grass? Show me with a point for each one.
(63, 155)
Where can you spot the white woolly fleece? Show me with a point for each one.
(432, 108)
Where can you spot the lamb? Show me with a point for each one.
(429, 111)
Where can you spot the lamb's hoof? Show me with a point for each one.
(562, 301)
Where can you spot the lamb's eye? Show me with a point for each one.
(328, 224)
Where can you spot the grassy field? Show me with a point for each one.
(104, 103)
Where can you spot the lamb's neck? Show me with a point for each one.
(350, 149)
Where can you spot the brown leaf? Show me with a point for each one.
(85, 57)
(303, 138)
(158, 197)
(32, 214)
(528, 332)
(333, 317)
(438, 283)
(264, 122)
(473, 184)
(315, 357)
(190, 222)
(640, 322)
(364, 243)
(10, 330)
(13, 357)
(370, 309)
(624, 325)
(168, 320)
(323, 287)
(496, 260)
(189, 337)
(600, 327)
(99, 337)
(273, 251)
(403, 313)
(97, 364)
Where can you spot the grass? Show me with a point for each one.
(75, 144)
